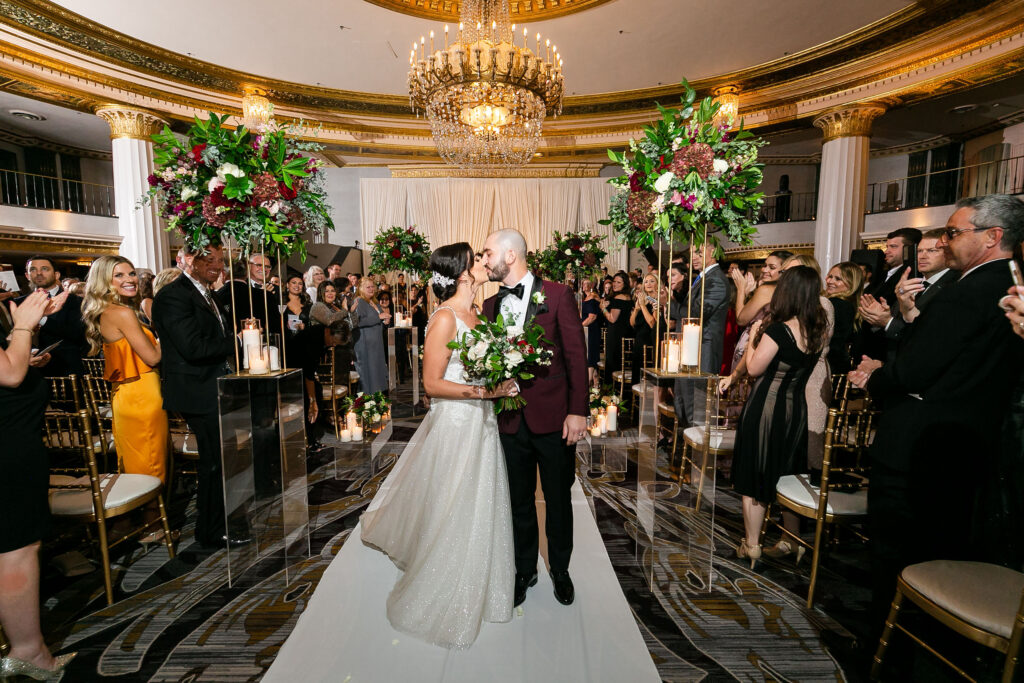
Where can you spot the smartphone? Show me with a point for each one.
(51, 347)
(910, 260)
(1018, 279)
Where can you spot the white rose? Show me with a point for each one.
(568, 252)
(513, 358)
(658, 205)
(229, 170)
(477, 351)
(720, 165)
(514, 330)
(662, 183)
(272, 207)
(214, 184)
(188, 193)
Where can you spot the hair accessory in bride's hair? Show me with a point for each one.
(442, 280)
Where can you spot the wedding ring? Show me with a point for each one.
(901, 290)
(1021, 323)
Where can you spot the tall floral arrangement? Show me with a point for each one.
(261, 189)
(574, 253)
(398, 249)
(687, 177)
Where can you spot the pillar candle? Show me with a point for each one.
(613, 418)
(346, 435)
(357, 434)
(275, 359)
(674, 354)
(602, 420)
(691, 344)
(258, 363)
(249, 338)
(595, 430)
(350, 420)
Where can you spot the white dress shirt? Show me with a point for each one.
(513, 308)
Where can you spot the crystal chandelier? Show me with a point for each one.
(257, 110)
(485, 95)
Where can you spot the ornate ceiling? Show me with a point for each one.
(332, 64)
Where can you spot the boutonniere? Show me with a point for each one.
(539, 298)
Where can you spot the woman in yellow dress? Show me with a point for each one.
(130, 353)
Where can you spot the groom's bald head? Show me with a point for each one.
(509, 240)
(505, 255)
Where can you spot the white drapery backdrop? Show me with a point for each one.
(449, 210)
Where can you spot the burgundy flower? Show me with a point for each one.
(196, 153)
(636, 181)
(210, 215)
(589, 259)
(661, 163)
(408, 230)
(288, 193)
(152, 180)
(396, 253)
(699, 157)
(639, 208)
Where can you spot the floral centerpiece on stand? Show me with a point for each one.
(262, 189)
(402, 250)
(687, 178)
(601, 398)
(576, 254)
(495, 353)
(368, 408)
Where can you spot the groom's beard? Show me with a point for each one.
(498, 273)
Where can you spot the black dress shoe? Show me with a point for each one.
(522, 583)
(565, 593)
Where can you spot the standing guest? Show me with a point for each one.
(313, 277)
(296, 306)
(593, 323)
(274, 283)
(843, 285)
(24, 509)
(387, 309)
(880, 299)
(634, 280)
(181, 259)
(369, 345)
(304, 348)
(164, 278)
(256, 298)
(916, 294)
(418, 297)
(615, 312)
(353, 280)
(130, 356)
(752, 303)
(644, 319)
(771, 440)
(146, 277)
(708, 300)
(400, 289)
(946, 393)
(64, 326)
(196, 340)
(606, 288)
(332, 315)
(334, 273)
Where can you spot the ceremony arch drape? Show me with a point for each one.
(450, 210)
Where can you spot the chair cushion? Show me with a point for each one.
(105, 410)
(984, 595)
(620, 376)
(184, 442)
(340, 390)
(797, 488)
(721, 439)
(125, 488)
(353, 376)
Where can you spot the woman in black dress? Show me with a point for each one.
(843, 286)
(24, 508)
(615, 311)
(593, 323)
(771, 440)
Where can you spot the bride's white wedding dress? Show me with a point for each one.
(443, 517)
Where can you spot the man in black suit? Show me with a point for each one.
(65, 326)
(197, 340)
(946, 394)
(710, 290)
(879, 300)
(915, 294)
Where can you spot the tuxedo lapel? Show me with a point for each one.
(924, 300)
(532, 306)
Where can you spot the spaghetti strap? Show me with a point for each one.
(426, 331)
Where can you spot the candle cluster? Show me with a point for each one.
(681, 350)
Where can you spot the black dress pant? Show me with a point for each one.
(210, 524)
(525, 453)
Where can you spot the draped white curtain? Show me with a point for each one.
(450, 210)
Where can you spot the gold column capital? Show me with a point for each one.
(129, 122)
(849, 120)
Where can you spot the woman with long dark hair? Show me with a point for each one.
(771, 440)
(615, 311)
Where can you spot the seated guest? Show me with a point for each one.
(593, 323)
(64, 326)
(782, 354)
(843, 285)
(196, 340)
(369, 343)
(946, 393)
(24, 509)
(615, 312)
(313, 277)
(915, 294)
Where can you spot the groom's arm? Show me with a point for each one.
(574, 352)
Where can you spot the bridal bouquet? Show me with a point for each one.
(495, 353)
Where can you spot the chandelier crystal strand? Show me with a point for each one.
(486, 98)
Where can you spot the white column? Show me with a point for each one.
(843, 184)
(143, 240)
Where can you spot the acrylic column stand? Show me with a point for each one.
(413, 347)
(675, 508)
(263, 451)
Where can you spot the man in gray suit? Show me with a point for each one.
(710, 288)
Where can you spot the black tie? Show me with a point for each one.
(516, 291)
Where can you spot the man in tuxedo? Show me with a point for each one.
(879, 300)
(196, 339)
(709, 292)
(946, 394)
(64, 326)
(543, 434)
(915, 294)
(256, 298)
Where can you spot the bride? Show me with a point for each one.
(443, 515)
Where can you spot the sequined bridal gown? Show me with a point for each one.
(443, 517)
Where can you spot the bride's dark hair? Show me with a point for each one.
(450, 261)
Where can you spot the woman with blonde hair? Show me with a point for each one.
(369, 346)
(164, 278)
(130, 354)
(312, 278)
(844, 285)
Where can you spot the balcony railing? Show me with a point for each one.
(788, 206)
(1005, 176)
(47, 192)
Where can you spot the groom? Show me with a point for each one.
(542, 435)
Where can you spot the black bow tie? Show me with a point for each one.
(516, 291)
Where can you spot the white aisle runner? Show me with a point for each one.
(344, 635)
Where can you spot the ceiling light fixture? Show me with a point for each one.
(257, 110)
(26, 115)
(485, 96)
(729, 100)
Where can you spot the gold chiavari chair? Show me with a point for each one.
(723, 427)
(974, 599)
(98, 400)
(65, 394)
(331, 391)
(638, 383)
(94, 366)
(604, 347)
(94, 498)
(624, 375)
(842, 496)
(184, 451)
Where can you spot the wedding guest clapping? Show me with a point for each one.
(369, 346)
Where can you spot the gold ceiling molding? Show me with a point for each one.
(761, 252)
(13, 239)
(130, 122)
(533, 170)
(522, 10)
(22, 140)
(849, 121)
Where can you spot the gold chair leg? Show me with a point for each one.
(702, 475)
(1013, 651)
(883, 641)
(764, 524)
(675, 441)
(167, 527)
(819, 528)
(105, 559)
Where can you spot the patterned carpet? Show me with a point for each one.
(179, 620)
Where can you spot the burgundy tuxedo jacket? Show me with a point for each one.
(558, 389)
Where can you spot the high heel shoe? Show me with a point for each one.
(11, 667)
(784, 549)
(751, 552)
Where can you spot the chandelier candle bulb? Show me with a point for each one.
(446, 36)
(431, 42)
